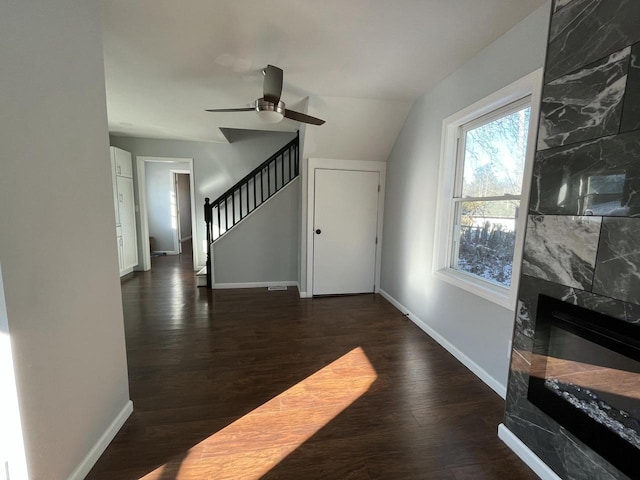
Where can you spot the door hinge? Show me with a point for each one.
(376, 240)
(378, 187)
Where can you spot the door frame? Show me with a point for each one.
(174, 188)
(352, 165)
(142, 202)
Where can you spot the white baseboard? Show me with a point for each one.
(284, 283)
(480, 372)
(103, 442)
(305, 295)
(526, 455)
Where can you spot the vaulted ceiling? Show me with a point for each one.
(168, 60)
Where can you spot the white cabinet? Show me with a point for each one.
(124, 166)
(120, 254)
(113, 183)
(124, 205)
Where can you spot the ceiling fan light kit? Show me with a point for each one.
(269, 108)
(270, 112)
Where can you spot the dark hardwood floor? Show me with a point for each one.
(249, 384)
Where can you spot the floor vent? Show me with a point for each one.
(276, 287)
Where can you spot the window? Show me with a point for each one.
(491, 155)
(487, 150)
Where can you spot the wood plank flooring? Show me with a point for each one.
(249, 384)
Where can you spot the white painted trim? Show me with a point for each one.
(487, 290)
(126, 272)
(526, 454)
(476, 369)
(302, 233)
(194, 239)
(174, 191)
(284, 283)
(351, 165)
(305, 295)
(101, 445)
(507, 297)
(174, 188)
(142, 203)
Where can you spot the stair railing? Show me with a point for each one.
(249, 193)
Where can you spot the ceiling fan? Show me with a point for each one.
(270, 108)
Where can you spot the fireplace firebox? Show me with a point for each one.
(585, 374)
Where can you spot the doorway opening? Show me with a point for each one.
(167, 209)
(181, 214)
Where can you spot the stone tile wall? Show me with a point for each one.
(582, 242)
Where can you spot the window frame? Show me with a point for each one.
(451, 162)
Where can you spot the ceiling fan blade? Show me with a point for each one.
(272, 87)
(247, 109)
(302, 117)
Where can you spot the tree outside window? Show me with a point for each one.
(490, 167)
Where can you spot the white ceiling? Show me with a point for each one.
(168, 60)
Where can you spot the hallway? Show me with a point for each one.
(248, 384)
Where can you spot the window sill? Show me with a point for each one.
(502, 296)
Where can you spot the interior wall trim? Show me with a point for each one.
(526, 454)
(103, 442)
(476, 369)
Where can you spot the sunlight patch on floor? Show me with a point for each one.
(257, 442)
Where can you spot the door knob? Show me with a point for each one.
(318, 231)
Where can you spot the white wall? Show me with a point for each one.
(57, 247)
(216, 166)
(479, 329)
(161, 208)
(264, 247)
(355, 129)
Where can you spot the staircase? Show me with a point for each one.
(246, 196)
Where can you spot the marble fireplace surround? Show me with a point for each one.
(582, 243)
(573, 348)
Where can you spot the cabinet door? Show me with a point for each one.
(126, 206)
(113, 183)
(124, 165)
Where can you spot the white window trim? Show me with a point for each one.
(504, 296)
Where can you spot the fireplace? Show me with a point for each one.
(585, 374)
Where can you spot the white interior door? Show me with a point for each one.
(344, 231)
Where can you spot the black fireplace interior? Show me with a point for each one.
(585, 374)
